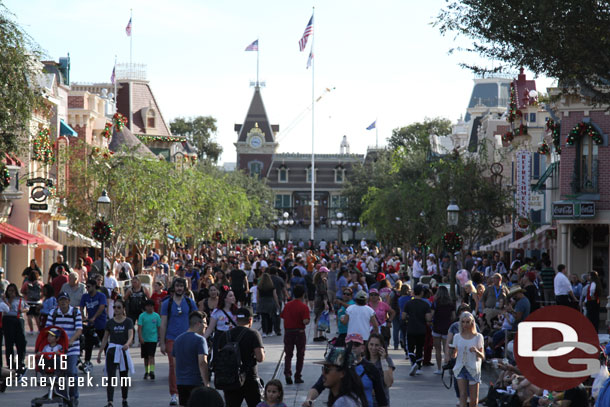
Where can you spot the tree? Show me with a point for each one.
(563, 39)
(416, 136)
(19, 92)
(199, 132)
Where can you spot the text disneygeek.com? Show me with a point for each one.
(63, 382)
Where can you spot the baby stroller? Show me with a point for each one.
(49, 364)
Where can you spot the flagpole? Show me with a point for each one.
(258, 46)
(115, 90)
(131, 40)
(376, 134)
(313, 164)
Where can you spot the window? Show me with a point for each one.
(282, 201)
(309, 174)
(588, 170)
(256, 168)
(339, 175)
(338, 203)
(532, 118)
(282, 174)
(150, 118)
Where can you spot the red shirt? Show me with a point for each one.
(58, 282)
(294, 313)
(157, 298)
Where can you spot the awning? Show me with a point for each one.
(49, 244)
(537, 240)
(69, 237)
(498, 245)
(175, 239)
(66, 130)
(13, 235)
(11, 160)
(547, 173)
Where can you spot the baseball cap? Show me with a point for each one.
(354, 337)
(55, 332)
(380, 276)
(63, 295)
(336, 356)
(1, 270)
(243, 313)
(361, 295)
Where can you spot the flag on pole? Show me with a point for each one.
(306, 34)
(310, 59)
(253, 46)
(372, 126)
(128, 28)
(113, 76)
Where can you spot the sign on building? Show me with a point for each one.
(523, 175)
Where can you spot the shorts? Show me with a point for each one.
(464, 374)
(148, 349)
(437, 335)
(34, 310)
(184, 393)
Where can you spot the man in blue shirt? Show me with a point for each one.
(175, 311)
(191, 372)
(94, 302)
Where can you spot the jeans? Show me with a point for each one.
(72, 361)
(291, 339)
(266, 323)
(396, 331)
(90, 342)
(14, 336)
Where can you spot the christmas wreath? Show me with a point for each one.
(107, 132)
(5, 177)
(582, 129)
(521, 131)
(508, 137)
(102, 230)
(555, 129)
(544, 149)
(119, 121)
(581, 237)
(523, 222)
(453, 241)
(101, 152)
(42, 147)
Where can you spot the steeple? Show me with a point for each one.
(344, 148)
(257, 114)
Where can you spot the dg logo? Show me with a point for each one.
(557, 348)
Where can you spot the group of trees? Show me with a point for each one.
(193, 201)
(403, 195)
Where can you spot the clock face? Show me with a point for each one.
(256, 141)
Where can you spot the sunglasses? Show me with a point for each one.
(117, 307)
(326, 369)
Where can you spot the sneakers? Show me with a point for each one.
(264, 335)
(298, 380)
(125, 404)
(174, 400)
(413, 370)
(151, 375)
(145, 376)
(288, 379)
(438, 372)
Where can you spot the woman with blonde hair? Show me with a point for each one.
(468, 350)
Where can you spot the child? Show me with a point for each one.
(52, 346)
(49, 303)
(149, 323)
(253, 290)
(274, 395)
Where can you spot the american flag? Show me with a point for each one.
(113, 76)
(306, 34)
(310, 59)
(372, 125)
(128, 28)
(253, 46)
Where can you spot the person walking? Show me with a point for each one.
(443, 315)
(175, 310)
(360, 317)
(32, 290)
(417, 315)
(118, 336)
(191, 371)
(563, 288)
(267, 303)
(384, 314)
(468, 353)
(74, 288)
(594, 289)
(93, 308)
(251, 352)
(377, 354)
(135, 297)
(149, 325)
(296, 317)
(320, 281)
(13, 326)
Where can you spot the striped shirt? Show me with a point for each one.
(69, 322)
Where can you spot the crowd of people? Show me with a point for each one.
(198, 307)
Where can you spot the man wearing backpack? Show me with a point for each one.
(242, 383)
(175, 312)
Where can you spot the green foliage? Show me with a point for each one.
(199, 131)
(563, 39)
(19, 92)
(416, 136)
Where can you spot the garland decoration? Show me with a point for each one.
(101, 152)
(453, 241)
(521, 131)
(582, 129)
(508, 137)
(513, 112)
(107, 132)
(581, 237)
(544, 149)
(5, 177)
(43, 151)
(555, 129)
(119, 121)
(102, 231)
(149, 139)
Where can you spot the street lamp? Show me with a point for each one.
(286, 222)
(354, 226)
(422, 215)
(453, 216)
(165, 223)
(103, 207)
(340, 223)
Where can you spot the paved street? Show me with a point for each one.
(423, 390)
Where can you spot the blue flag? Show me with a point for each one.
(372, 126)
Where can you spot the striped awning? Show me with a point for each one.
(48, 243)
(498, 245)
(71, 238)
(537, 240)
(10, 234)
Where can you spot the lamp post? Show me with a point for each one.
(340, 223)
(453, 216)
(103, 207)
(286, 222)
(354, 226)
(422, 215)
(165, 222)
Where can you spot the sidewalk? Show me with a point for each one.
(423, 390)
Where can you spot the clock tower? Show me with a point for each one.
(256, 142)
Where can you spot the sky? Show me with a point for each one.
(382, 61)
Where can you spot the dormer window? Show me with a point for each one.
(282, 174)
(339, 174)
(150, 118)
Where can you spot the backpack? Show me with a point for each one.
(135, 305)
(228, 368)
(170, 298)
(33, 292)
(123, 274)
